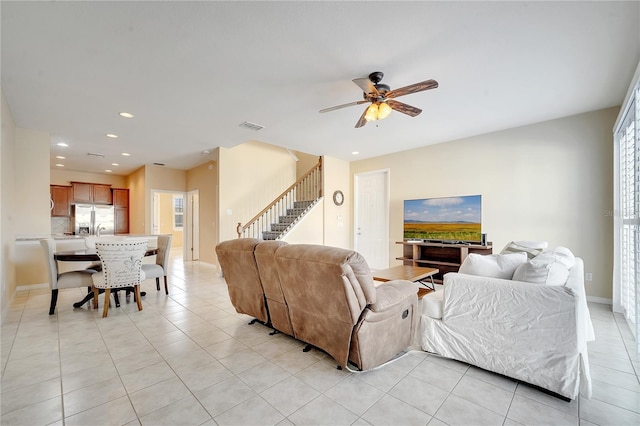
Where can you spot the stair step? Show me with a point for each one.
(302, 204)
(279, 227)
(270, 235)
(287, 219)
(295, 212)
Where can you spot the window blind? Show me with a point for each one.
(627, 138)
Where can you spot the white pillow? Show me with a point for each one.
(531, 248)
(562, 255)
(492, 265)
(543, 269)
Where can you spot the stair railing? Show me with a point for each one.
(307, 188)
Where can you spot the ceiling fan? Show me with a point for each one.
(382, 97)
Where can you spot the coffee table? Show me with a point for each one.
(410, 273)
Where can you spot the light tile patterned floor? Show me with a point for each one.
(188, 358)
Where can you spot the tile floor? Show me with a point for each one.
(190, 359)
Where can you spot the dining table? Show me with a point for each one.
(90, 255)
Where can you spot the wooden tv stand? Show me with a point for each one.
(444, 256)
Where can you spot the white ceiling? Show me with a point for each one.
(191, 72)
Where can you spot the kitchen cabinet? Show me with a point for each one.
(61, 200)
(121, 210)
(93, 193)
(101, 194)
(121, 220)
(120, 197)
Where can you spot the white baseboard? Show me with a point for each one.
(32, 286)
(602, 300)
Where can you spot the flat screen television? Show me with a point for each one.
(448, 219)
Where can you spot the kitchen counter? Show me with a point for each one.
(38, 237)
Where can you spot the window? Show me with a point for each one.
(178, 211)
(627, 214)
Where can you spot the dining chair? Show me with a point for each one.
(71, 279)
(161, 267)
(121, 268)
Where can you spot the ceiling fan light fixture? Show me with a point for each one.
(372, 112)
(383, 111)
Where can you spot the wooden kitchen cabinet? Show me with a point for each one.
(61, 200)
(120, 197)
(121, 220)
(82, 192)
(101, 194)
(121, 210)
(94, 193)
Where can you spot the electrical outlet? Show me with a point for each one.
(588, 276)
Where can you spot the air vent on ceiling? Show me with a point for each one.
(251, 126)
(159, 164)
(95, 154)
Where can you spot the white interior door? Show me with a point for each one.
(372, 217)
(193, 225)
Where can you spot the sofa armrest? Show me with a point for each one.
(391, 294)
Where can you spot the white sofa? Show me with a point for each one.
(531, 332)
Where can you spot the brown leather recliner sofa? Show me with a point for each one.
(324, 296)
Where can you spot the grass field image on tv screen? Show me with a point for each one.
(444, 219)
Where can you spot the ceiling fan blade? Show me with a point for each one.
(362, 121)
(333, 108)
(403, 108)
(412, 88)
(366, 85)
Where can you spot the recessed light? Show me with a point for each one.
(60, 165)
(126, 154)
(115, 164)
(62, 144)
(60, 157)
(107, 170)
(111, 135)
(355, 152)
(126, 115)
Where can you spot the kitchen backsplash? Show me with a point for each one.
(60, 225)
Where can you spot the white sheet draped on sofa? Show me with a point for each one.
(531, 332)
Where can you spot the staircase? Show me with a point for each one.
(287, 221)
(282, 214)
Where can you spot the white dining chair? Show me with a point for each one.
(121, 268)
(161, 267)
(71, 279)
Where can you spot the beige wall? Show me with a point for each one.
(8, 209)
(31, 181)
(204, 179)
(337, 219)
(305, 163)
(251, 175)
(65, 177)
(549, 181)
(309, 230)
(137, 202)
(160, 178)
(166, 219)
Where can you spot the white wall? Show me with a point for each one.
(7, 205)
(549, 181)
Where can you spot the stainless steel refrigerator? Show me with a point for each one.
(93, 219)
